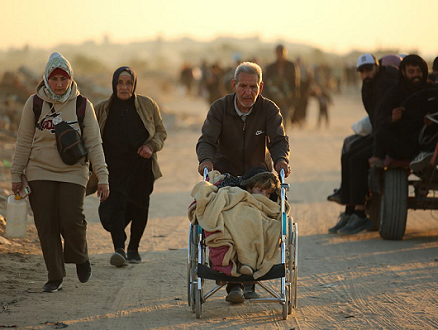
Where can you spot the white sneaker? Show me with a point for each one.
(421, 161)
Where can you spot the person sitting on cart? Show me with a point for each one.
(243, 130)
(401, 115)
(357, 149)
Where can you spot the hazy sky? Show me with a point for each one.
(333, 25)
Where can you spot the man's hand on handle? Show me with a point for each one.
(282, 164)
(204, 164)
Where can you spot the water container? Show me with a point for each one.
(16, 217)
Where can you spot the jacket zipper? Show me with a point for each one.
(243, 153)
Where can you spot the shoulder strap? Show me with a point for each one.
(81, 104)
(37, 108)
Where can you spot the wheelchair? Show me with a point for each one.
(284, 273)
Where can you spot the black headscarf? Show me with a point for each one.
(124, 133)
(116, 78)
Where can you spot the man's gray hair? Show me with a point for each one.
(249, 68)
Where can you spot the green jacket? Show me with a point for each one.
(149, 113)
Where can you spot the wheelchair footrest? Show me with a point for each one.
(276, 271)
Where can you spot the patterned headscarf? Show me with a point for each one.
(56, 60)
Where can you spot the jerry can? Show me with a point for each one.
(16, 217)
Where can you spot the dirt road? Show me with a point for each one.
(353, 282)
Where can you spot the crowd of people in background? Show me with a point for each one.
(212, 81)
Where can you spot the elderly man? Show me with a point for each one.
(243, 130)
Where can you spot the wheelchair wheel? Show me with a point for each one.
(189, 268)
(189, 285)
(198, 303)
(293, 264)
(192, 265)
(287, 303)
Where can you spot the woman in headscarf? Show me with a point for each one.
(58, 189)
(133, 132)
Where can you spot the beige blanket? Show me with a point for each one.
(249, 224)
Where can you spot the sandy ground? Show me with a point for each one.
(354, 282)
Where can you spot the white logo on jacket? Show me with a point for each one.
(259, 132)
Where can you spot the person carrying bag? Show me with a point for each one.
(57, 183)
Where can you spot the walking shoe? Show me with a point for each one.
(52, 286)
(356, 224)
(235, 296)
(84, 271)
(246, 270)
(249, 292)
(133, 257)
(336, 196)
(343, 220)
(118, 258)
(421, 161)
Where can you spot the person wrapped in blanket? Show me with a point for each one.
(241, 219)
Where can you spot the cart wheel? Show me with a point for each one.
(394, 205)
(286, 302)
(198, 303)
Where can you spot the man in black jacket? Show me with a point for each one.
(401, 114)
(243, 130)
(377, 79)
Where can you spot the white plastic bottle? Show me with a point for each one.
(16, 217)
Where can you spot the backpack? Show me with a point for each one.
(68, 140)
(81, 104)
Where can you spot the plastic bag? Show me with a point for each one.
(362, 127)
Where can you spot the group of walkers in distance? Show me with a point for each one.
(400, 128)
(289, 84)
(244, 132)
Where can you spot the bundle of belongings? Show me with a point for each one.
(240, 227)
